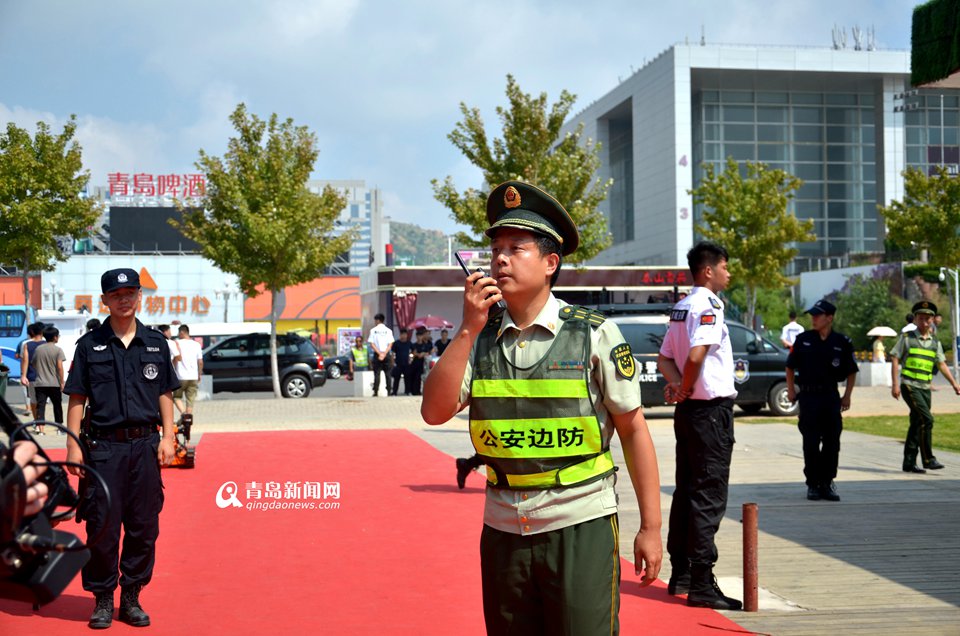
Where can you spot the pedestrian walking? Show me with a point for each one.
(821, 358)
(913, 359)
(47, 362)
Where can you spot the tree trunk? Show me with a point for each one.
(751, 307)
(274, 369)
(26, 288)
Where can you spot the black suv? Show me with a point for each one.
(759, 365)
(242, 363)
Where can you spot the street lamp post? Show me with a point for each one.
(954, 289)
(53, 293)
(226, 292)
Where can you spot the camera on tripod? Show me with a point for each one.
(37, 562)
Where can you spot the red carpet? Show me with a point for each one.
(399, 556)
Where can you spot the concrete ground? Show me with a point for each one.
(885, 558)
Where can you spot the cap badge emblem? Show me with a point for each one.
(121, 277)
(511, 198)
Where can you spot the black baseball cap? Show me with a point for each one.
(118, 278)
(822, 307)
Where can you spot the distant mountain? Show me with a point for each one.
(414, 245)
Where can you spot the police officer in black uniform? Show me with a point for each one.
(123, 371)
(822, 358)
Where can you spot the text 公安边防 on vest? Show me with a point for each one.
(537, 427)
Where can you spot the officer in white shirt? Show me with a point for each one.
(381, 342)
(697, 361)
(790, 331)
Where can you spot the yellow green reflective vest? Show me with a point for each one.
(919, 362)
(536, 427)
(360, 357)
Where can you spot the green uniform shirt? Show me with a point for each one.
(535, 511)
(911, 338)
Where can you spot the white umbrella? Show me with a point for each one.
(882, 331)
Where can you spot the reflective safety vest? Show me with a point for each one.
(919, 362)
(360, 357)
(536, 427)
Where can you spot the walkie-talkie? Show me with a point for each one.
(466, 270)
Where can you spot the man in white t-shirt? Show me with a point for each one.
(189, 369)
(381, 342)
(790, 331)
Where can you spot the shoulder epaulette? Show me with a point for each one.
(576, 312)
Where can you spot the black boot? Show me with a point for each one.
(130, 611)
(704, 591)
(679, 580)
(464, 467)
(102, 616)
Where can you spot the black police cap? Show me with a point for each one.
(924, 307)
(822, 307)
(527, 207)
(117, 278)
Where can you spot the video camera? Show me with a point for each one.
(36, 561)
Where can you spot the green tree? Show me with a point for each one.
(865, 303)
(747, 214)
(260, 221)
(531, 150)
(929, 215)
(41, 181)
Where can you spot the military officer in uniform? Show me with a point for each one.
(696, 359)
(913, 358)
(547, 384)
(822, 358)
(123, 371)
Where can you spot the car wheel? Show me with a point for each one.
(334, 371)
(779, 403)
(295, 386)
(751, 408)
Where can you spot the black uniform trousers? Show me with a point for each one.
(920, 434)
(416, 376)
(820, 425)
(378, 367)
(704, 432)
(132, 473)
(404, 371)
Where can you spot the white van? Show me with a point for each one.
(209, 333)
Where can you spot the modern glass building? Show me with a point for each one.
(844, 121)
(364, 211)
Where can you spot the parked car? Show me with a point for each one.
(759, 365)
(242, 363)
(337, 366)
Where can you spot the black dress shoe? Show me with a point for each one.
(102, 616)
(933, 465)
(829, 492)
(913, 469)
(813, 493)
(463, 469)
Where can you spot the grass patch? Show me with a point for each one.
(946, 428)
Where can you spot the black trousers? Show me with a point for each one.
(919, 435)
(404, 371)
(132, 474)
(56, 398)
(416, 377)
(820, 425)
(378, 367)
(704, 432)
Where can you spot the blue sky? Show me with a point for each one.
(379, 82)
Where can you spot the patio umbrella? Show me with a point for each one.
(885, 332)
(430, 322)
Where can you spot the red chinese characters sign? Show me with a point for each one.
(666, 278)
(152, 305)
(156, 186)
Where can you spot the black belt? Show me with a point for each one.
(717, 401)
(123, 433)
